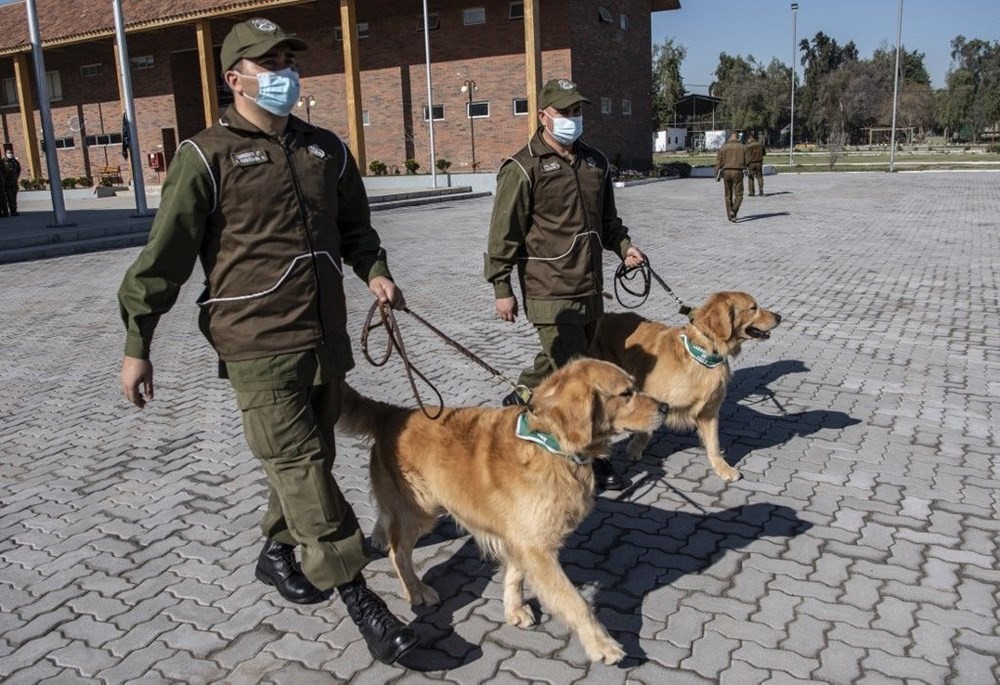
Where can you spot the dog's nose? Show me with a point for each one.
(777, 318)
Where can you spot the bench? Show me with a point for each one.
(109, 174)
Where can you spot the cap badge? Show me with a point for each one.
(264, 25)
(566, 84)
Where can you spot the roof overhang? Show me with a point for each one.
(662, 5)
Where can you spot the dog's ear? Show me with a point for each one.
(716, 317)
(564, 406)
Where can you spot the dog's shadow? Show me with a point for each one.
(625, 549)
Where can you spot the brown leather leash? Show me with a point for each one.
(625, 274)
(395, 340)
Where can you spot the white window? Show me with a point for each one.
(143, 62)
(520, 106)
(433, 21)
(363, 32)
(623, 19)
(52, 82)
(365, 119)
(438, 112)
(605, 105)
(90, 70)
(516, 10)
(477, 110)
(627, 107)
(604, 16)
(474, 15)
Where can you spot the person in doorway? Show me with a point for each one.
(274, 207)
(553, 214)
(729, 165)
(10, 172)
(755, 164)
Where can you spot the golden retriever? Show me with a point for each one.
(518, 499)
(667, 367)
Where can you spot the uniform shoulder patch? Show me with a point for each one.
(246, 158)
(316, 151)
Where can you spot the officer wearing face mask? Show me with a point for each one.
(274, 207)
(553, 214)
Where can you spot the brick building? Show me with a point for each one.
(377, 80)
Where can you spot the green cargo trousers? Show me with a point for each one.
(560, 344)
(291, 432)
(732, 179)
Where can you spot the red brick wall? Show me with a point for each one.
(604, 59)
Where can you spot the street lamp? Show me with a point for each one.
(895, 89)
(307, 101)
(791, 124)
(470, 88)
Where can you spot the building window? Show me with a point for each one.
(605, 105)
(338, 33)
(433, 21)
(143, 62)
(365, 119)
(520, 106)
(61, 143)
(90, 70)
(53, 86)
(624, 22)
(604, 16)
(103, 139)
(474, 15)
(438, 112)
(627, 107)
(516, 10)
(477, 110)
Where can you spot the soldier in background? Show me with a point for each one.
(10, 169)
(729, 165)
(755, 164)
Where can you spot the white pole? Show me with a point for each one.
(791, 125)
(895, 89)
(138, 184)
(45, 114)
(430, 94)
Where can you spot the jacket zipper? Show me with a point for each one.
(305, 223)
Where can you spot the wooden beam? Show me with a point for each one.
(26, 99)
(352, 82)
(206, 63)
(533, 61)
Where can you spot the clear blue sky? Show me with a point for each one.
(763, 29)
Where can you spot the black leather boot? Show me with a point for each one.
(605, 476)
(276, 566)
(388, 638)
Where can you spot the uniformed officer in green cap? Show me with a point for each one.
(274, 207)
(553, 214)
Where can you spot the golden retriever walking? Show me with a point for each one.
(686, 366)
(519, 479)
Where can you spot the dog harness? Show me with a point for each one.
(547, 441)
(702, 356)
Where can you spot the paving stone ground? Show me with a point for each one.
(860, 547)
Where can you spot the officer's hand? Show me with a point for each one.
(387, 292)
(507, 308)
(634, 257)
(136, 372)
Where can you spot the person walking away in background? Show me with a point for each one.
(755, 164)
(729, 165)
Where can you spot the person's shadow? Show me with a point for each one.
(755, 217)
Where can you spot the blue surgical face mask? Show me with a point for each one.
(277, 91)
(566, 129)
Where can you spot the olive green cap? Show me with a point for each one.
(560, 93)
(254, 38)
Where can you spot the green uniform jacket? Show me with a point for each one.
(272, 218)
(732, 155)
(551, 218)
(755, 152)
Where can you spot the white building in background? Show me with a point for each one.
(670, 140)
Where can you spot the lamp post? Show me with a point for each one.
(307, 101)
(791, 124)
(895, 89)
(470, 88)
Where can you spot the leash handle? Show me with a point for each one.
(624, 274)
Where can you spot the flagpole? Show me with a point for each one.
(138, 185)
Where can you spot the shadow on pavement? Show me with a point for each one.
(754, 217)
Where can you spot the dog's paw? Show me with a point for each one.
(727, 473)
(424, 595)
(605, 649)
(520, 616)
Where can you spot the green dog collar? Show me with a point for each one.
(546, 440)
(700, 355)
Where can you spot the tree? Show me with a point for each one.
(973, 86)
(754, 98)
(821, 57)
(668, 87)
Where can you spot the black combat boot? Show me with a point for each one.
(388, 638)
(605, 476)
(276, 566)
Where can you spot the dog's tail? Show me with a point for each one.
(361, 416)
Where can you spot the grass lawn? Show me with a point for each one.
(854, 160)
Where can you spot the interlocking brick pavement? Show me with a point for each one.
(861, 546)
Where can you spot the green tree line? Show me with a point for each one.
(840, 96)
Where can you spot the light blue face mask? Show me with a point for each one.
(566, 129)
(277, 91)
